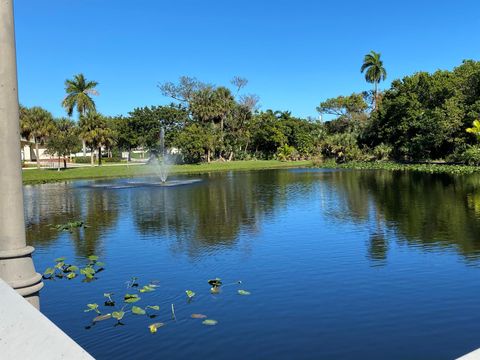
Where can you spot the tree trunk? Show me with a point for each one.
(92, 157)
(208, 155)
(64, 163)
(375, 95)
(129, 156)
(37, 153)
(84, 145)
(59, 160)
(231, 156)
(100, 155)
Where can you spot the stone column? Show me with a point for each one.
(16, 264)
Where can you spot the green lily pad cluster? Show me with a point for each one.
(70, 226)
(62, 269)
(132, 297)
(126, 306)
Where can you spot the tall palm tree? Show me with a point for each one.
(79, 92)
(375, 72)
(78, 97)
(37, 123)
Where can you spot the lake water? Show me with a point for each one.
(340, 264)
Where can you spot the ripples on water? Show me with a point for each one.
(340, 264)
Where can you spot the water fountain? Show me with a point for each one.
(162, 164)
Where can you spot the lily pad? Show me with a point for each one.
(60, 259)
(209, 322)
(118, 315)
(72, 268)
(190, 293)
(71, 275)
(92, 307)
(153, 307)
(138, 310)
(153, 327)
(131, 298)
(147, 288)
(243, 292)
(198, 316)
(93, 258)
(49, 272)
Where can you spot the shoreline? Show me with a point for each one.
(43, 176)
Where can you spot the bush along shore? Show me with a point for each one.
(432, 168)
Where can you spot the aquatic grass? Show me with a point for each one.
(430, 168)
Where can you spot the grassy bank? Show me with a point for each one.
(125, 171)
(426, 168)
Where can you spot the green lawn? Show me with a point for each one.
(122, 171)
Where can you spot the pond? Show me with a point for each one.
(340, 264)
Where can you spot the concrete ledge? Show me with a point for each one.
(474, 355)
(25, 333)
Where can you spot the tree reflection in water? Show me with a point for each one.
(427, 211)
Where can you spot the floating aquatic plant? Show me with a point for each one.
(210, 322)
(102, 317)
(70, 226)
(153, 327)
(198, 316)
(109, 301)
(92, 307)
(133, 298)
(63, 270)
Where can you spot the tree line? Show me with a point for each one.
(420, 117)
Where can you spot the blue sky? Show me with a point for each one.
(294, 53)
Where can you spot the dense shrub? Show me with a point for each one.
(81, 159)
(342, 148)
(287, 152)
(470, 156)
(382, 152)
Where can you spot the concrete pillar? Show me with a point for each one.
(16, 264)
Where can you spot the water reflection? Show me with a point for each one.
(427, 211)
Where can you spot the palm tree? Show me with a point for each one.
(375, 72)
(79, 92)
(78, 95)
(37, 123)
(475, 129)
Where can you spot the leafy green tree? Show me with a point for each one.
(95, 132)
(374, 71)
(344, 106)
(38, 123)
(145, 123)
(197, 142)
(64, 139)
(424, 116)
